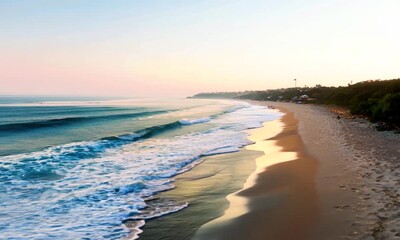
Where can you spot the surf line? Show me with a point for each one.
(273, 154)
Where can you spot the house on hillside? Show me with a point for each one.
(302, 99)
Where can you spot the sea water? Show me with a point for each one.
(78, 168)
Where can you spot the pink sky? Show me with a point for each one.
(180, 49)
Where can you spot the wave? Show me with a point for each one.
(24, 126)
(186, 121)
(29, 169)
(155, 208)
(95, 186)
(94, 149)
(145, 133)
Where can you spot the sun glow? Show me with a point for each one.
(181, 48)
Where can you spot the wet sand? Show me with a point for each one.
(281, 201)
(205, 188)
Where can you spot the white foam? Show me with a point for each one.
(133, 136)
(186, 121)
(135, 229)
(229, 149)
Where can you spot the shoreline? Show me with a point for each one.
(340, 185)
(205, 188)
(355, 182)
(281, 194)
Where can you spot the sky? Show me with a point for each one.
(177, 48)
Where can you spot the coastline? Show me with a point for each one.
(340, 185)
(282, 194)
(205, 188)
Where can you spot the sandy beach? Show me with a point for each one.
(342, 185)
(358, 174)
(309, 175)
(281, 198)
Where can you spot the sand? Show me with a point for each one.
(358, 175)
(281, 200)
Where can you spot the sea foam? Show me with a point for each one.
(88, 189)
(186, 121)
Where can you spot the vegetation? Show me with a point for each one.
(378, 100)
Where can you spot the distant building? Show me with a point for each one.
(301, 99)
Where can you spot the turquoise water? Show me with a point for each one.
(78, 168)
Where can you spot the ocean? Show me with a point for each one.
(78, 168)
